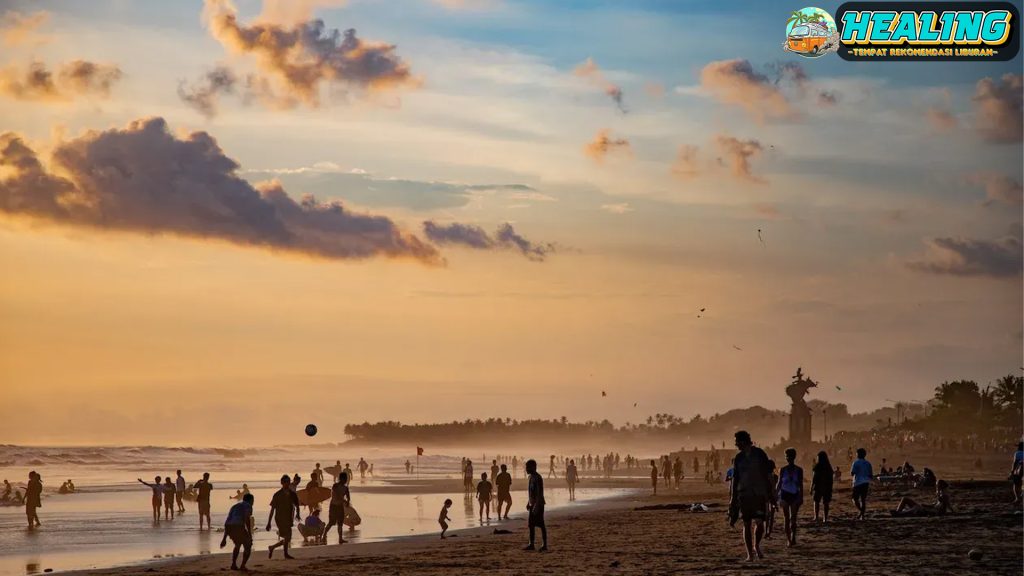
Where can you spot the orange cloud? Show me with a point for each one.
(729, 153)
(998, 104)
(603, 144)
(72, 79)
(17, 29)
(306, 57)
(734, 82)
(595, 76)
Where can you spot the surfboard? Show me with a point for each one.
(352, 518)
(334, 470)
(313, 495)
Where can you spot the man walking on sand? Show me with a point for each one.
(535, 505)
(282, 506)
(503, 481)
(862, 475)
(751, 493)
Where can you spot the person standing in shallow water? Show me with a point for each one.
(158, 493)
(33, 499)
(341, 498)
(203, 489)
(238, 526)
(535, 505)
(168, 499)
(179, 492)
(503, 481)
(750, 493)
(654, 477)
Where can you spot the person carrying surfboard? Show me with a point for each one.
(341, 498)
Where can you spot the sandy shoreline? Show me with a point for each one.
(613, 537)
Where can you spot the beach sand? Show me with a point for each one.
(615, 537)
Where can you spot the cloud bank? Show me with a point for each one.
(143, 179)
(78, 78)
(472, 236)
(18, 29)
(1000, 258)
(725, 153)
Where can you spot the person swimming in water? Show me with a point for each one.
(158, 497)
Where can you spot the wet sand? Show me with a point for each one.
(615, 537)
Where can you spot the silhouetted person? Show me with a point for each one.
(348, 474)
(467, 475)
(494, 475)
(203, 489)
(822, 481)
(572, 476)
(238, 527)
(515, 464)
(791, 494)
(363, 467)
(862, 475)
(503, 481)
(283, 505)
(1017, 473)
(551, 469)
(750, 493)
(943, 503)
(33, 499)
(341, 498)
(168, 499)
(158, 493)
(654, 477)
(179, 491)
(443, 518)
(535, 505)
(483, 495)
(7, 491)
(677, 471)
(317, 475)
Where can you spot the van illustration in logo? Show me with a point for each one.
(811, 32)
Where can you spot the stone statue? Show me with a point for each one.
(800, 414)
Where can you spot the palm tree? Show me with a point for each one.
(796, 18)
(1009, 393)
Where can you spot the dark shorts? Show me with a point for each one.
(789, 498)
(1017, 479)
(536, 518)
(336, 514)
(239, 535)
(822, 495)
(204, 507)
(861, 490)
(504, 497)
(753, 507)
(285, 531)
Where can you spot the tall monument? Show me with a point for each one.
(800, 414)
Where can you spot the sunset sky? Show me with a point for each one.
(518, 204)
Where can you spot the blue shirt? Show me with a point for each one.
(861, 472)
(239, 514)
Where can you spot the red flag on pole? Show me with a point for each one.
(419, 451)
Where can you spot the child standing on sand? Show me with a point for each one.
(443, 518)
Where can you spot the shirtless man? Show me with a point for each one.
(179, 492)
(203, 489)
(535, 505)
(483, 495)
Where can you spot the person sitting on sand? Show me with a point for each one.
(751, 493)
(862, 476)
(943, 504)
(443, 518)
(822, 482)
(341, 498)
(71, 485)
(313, 527)
(238, 527)
(483, 495)
(926, 479)
(503, 481)
(64, 488)
(283, 504)
(158, 497)
(1017, 473)
(791, 494)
